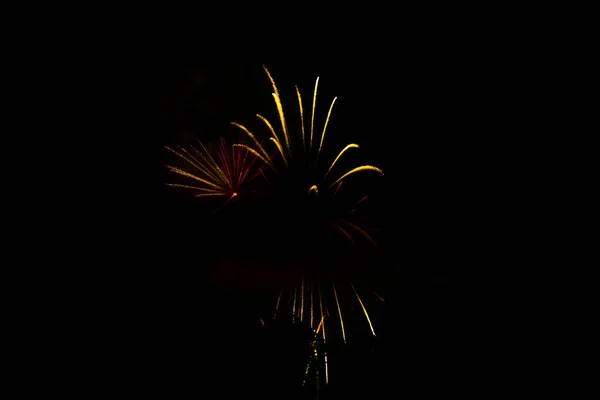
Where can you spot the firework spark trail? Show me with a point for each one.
(312, 120)
(301, 117)
(311, 305)
(274, 138)
(192, 176)
(326, 370)
(283, 123)
(314, 189)
(279, 109)
(350, 146)
(192, 187)
(362, 232)
(322, 315)
(210, 160)
(294, 309)
(344, 233)
(355, 170)
(256, 142)
(198, 164)
(325, 128)
(339, 186)
(251, 150)
(302, 300)
(223, 181)
(379, 297)
(340, 311)
(277, 306)
(364, 309)
(357, 203)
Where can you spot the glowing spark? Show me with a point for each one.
(210, 194)
(274, 140)
(379, 297)
(340, 311)
(212, 161)
(279, 107)
(208, 173)
(325, 127)
(302, 300)
(350, 146)
(294, 309)
(192, 176)
(192, 187)
(312, 120)
(242, 127)
(262, 322)
(345, 233)
(362, 232)
(363, 307)
(283, 124)
(301, 117)
(314, 189)
(322, 315)
(355, 170)
(251, 150)
(277, 306)
(320, 325)
(311, 306)
(266, 121)
(195, 163)
(326, 374)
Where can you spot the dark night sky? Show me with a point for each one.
(434, 125)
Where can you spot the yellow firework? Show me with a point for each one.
(285, 148)
(309, 151)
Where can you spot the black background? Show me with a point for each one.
(444, 130)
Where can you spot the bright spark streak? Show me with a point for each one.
(355, 170)
(340, 311)
(210, 194)
(350, 146)
(312, 120)
(195, 163)
(325, 127)
(192, 187)
(251, 150)
(283, 124)
(315, 189)
(262, 322)
(212, 161)
(322, 315)
(192, 176)
(266, 121)
(363, 307)
(294, 308)
(345, 233)
(274, 140)
(379, 297)
(204, 170)
(279, 108)
(301, 117)
(256, 142)
(277, 306)
(320, 324)
(302, 300)
(326, 369)
(362, 232)
(311, 306)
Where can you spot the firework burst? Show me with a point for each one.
(296, 159)
(335, 313)
(225, 175)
